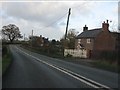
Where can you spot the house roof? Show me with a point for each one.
(90, 33)
(115, 34)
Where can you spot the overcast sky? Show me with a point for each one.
(48, 18)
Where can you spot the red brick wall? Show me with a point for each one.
(88, 46)
(104, 41)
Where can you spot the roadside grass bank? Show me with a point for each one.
(6, 58)
(0, 67)
(107, 65)
(100, 64)
(0, 58)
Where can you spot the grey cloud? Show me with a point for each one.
(37, 15)
(45, 12)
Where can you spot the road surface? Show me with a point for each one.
(32, 70)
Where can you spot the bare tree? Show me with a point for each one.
(70, 39)
(11, 31)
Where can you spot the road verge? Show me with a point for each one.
(6, 58)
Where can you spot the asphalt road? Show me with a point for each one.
(32, 70)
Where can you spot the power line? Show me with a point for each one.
(54, 21)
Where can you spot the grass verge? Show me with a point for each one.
(106, 65)
(6, 60)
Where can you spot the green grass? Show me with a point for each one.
(0, 65)
(106, 65)
(6, 61)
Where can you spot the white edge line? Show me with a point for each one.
(87, 78)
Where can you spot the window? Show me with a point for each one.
(79, 40)
(88, 40)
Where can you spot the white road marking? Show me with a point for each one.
(68, 72)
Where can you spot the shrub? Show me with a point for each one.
(68, 55)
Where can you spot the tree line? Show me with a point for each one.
(12, 32)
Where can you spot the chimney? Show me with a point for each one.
(85, 28)
(105, 26)
(40, 36)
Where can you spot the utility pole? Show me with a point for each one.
(24, 37)
(67, 23)
(66, 30)
(32, 33)
(32, 39)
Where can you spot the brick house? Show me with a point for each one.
(98, 39)
(39, 41)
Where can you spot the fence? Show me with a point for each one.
(76, 53)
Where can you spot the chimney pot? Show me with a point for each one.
(40, 35)
(85, 28)
(107, 21)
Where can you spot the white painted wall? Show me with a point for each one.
(76, 53)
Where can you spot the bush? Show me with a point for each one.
(69, 55)
(112, 56)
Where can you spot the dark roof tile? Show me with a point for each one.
(90, 33)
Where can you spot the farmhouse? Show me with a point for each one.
(98, 39)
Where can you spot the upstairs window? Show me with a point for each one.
(79, 41)
(88, 40)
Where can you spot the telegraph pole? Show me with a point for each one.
(32, 39)
(24, 37)
(67, 22)
(66, 30)
(32, 33)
